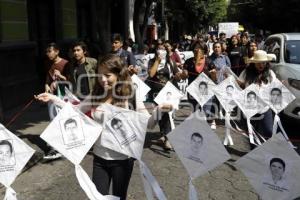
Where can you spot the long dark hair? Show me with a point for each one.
(123, 88)
(254, 76)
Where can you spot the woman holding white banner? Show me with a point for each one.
(193, 67)
(114, 86)
(259, 72)
(161, 70)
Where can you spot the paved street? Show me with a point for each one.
(56, 180)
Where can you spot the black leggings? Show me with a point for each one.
(117, 171)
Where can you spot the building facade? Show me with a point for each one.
(27, 26)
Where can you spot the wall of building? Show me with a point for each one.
(27, 26)
(17, 56)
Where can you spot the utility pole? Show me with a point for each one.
(162, 28)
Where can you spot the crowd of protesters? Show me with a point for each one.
(211, 55)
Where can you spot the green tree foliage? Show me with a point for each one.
(275, 16)
(203, 13)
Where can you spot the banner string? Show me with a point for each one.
(18, 114)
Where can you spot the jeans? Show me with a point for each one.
(209, 108)
(263, 123)
(165, 124)
(116, 171)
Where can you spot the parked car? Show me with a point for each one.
(286, 47)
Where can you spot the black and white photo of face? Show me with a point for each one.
(229, 90)
(277, 169)
(196, 142)
(6, 153)
(117, 125)
(276, 96)
(169, 96)
(251, 100)
(71, 128)
(203, 88)
(194, 149)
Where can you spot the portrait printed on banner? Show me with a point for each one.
(7, 157)
(203, 88)
(276, 97)
(71, 130)
(169, 96)
(194, 150)
(275, 178)
(122, 129)
(229, 91)
(250, 100)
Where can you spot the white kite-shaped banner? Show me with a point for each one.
(249, 101)
(273, 169)
(142, 61)
(124, 130)
(201, 89)
(72, 133)
(193, 140)
(141, 89)
(277, 96)
(169, 95)
(225, 92)
(14, 154)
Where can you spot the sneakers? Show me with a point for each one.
(167, 145)
(213, 125)
(52, 155)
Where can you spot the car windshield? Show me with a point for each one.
(292, 52)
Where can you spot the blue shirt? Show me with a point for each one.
(220, 62)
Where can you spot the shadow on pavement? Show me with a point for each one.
(20, 119)
(235, 152)
(161, 152)
(35, 139)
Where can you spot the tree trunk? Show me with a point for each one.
(140, 32)
(136, 22)
(104, 24)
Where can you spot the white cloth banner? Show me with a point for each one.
(249, 101)
(142, 61)
(193, 140)
(184, 55)
(192, 191)
(201, 89)
(141, 89)
(273, 169)
(72, 133)
(225, 92)
(10, 194)
(14, 154)
(228, 137)
(149, 180)
(169, 94)
(277, 96)
(183, 84)
(70, 97)
(124, 130)
(89, 187)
